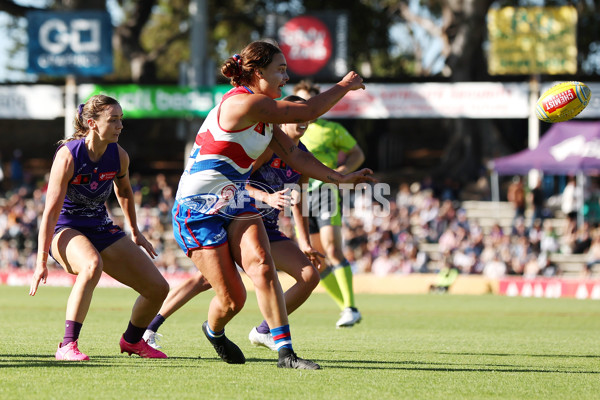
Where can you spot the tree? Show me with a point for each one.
(152, 40)
(460, 27)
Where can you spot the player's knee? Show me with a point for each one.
(92, 270)
(263, 274)
(310, 277)
(234, 302)
(161, 290)
(260, 265)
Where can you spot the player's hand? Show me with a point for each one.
(279, 200)
(360, 176)
(353, 81)
(140, 240)
(39, 275)
(313, 255)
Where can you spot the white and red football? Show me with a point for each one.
(563, 101)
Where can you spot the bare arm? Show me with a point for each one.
(124, 194)
(277, 200)
(354, 159)
(60, 174)
(301, 222)
(241, 111)
(300, 219)
(308, 165)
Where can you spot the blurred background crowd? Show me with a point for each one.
(424, 229)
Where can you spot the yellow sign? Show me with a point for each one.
(532, 40)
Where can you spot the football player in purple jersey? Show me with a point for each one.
(77, 232)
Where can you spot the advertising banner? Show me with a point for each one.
(63, 43)
(158, 101)
(314, 45)
(423, 100)
(435, 100)
(532, 40)
(550, 288)
(31, 102)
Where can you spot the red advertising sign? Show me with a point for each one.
(306, 43)
(314, 46)
(550, 287)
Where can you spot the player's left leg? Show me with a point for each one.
(127, 263)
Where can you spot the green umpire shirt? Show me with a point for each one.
(325, 139)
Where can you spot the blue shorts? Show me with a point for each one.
(196, 230)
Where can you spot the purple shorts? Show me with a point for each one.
(100, 237)
(275, 235)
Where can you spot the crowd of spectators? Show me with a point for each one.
(382, 239)
(22, 204)
(399, 241)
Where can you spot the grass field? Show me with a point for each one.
(407, 347)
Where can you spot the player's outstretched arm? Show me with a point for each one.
(308, 165)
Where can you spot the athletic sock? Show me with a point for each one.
(331, 286)
(343, 275)
(282, 337)
(214, 334)
(156, 323)
(263, 327)
(133, 334)
(72, 329)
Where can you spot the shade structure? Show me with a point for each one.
(566, 148)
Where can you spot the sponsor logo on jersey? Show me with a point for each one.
(106, 176)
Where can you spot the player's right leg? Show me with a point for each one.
(230, 295)
(76, 254)
(177, 297)
(204, 239)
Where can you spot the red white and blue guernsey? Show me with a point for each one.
(212, 190)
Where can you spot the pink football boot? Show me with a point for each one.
(70, 353)
(140, 348)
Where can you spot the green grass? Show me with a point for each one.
(407, 347)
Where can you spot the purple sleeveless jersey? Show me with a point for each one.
(89, 188)
(272, 176)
